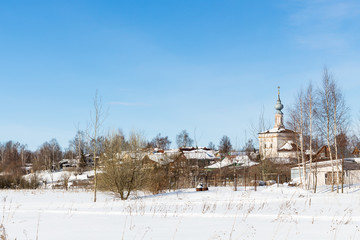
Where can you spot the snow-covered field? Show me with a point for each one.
(220, 213)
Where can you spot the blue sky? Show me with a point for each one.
(163, 66)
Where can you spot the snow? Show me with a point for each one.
(287, 146)
(200, 154)
(353, 159)
(307, 152)
(159, 158)
(239, 160)
(274, 130)
(270, 213)
(54, 177)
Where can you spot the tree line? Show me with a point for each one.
(15, 157)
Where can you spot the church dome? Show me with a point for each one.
(279, 106)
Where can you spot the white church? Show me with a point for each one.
(278, 144)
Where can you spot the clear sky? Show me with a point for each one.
(163, 66)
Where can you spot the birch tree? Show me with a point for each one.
(303, 160)
(326, 116)
(340, 125)
(310, 111)
(297, 124)
(294, 124)
(97, 119)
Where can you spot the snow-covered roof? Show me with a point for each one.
(200, 154)
(353, 159)
(277, 130)
(289, 145)
(172, 153)
(159, 158)
(347, 161)
(307, 152)
(238, 160)
(67, 161)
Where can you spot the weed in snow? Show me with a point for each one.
(3, 235)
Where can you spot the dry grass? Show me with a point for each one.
(3, 235)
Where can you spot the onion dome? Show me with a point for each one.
(278, 105)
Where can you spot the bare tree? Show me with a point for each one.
(56, 153)
(65, 178)
(211, 146)
(296, 123)
(97, 119)
(122, 164)
(225, 145)
(183, 139)
(334, 98)
(309, 113)
(11, 162)
(23, 150)
(332, 115)
(340, 122)
(160, 142)
(325, 115)
(81, 148)
(302, 126)
(262, 125)
(44, 153)
(37, 165)
(249, 147)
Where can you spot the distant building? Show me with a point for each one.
(278, 143)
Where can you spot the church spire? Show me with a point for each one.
(279, 115)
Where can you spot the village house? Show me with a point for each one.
(321, 172)
(199, 157)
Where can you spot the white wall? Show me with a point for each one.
(351, 176)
